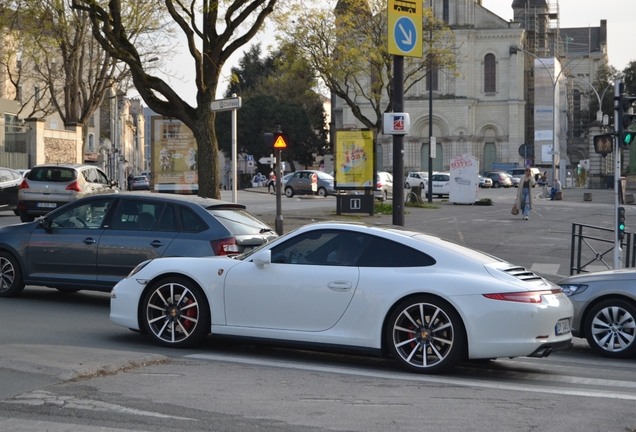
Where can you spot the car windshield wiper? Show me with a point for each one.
(263, 230)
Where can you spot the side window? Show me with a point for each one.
(324, 247)
(387, 253)
(190, 222)
(5, 176)
(101, 177)
(89, 175)
(168, 219)
(83, 216)
(138, 215)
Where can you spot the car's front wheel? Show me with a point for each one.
(610, 328)
(175, 312)
(407, 186)
(11, 283)
(426, 335)
(289, 192)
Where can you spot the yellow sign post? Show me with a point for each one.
(405, 27)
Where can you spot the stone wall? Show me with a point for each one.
(59, 150)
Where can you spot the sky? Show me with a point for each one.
(621, 35)
(620, 16)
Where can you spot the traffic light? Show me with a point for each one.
(625, 119)
(280, 140)
(620, 225)
(269, 139)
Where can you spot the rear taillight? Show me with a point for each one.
(24, 185)
(378, 186)
(74, 187)
(226, 246)
(522, 297)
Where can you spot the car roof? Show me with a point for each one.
(206, 203)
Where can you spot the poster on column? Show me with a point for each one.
(354, 159)
(174, 156)
(464, 180)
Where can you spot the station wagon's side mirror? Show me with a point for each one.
(113, 183)
(262, 258)
(45, 223)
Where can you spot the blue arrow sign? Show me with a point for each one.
(405, 34)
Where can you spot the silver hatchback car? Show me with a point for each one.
(47, 187)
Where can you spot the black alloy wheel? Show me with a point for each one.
(11, 283)
(610, 328)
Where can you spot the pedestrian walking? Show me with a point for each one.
(524, 194)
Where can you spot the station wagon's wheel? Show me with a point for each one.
(26, 217)
(11, 283)
(496, 185)
(175, 312)
(322, 192)
(610, 328)
(426, 335)
(385, 195)
(407, 186)
(289, 192)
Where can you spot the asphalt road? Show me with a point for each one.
(64, 366)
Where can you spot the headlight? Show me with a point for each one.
(570, 290)
(138, 268)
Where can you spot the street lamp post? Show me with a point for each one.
(555, 82)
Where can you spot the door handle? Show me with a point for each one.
(339, 286)
(156, 243)
(89, 241)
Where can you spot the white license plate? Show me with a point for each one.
(46, 205)
(563, 327)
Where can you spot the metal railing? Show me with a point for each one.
(591, 243)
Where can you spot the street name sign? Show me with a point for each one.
(226, 104)
(405, 28)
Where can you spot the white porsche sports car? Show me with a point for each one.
(424, 301)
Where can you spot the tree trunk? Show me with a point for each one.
(208, 157)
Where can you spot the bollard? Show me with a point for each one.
(587, 196)
(629, 198)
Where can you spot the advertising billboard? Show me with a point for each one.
(174, 156)
(354, 159)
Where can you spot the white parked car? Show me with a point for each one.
(415, 178)
(426, 302)
(383, 185)
(441, 184)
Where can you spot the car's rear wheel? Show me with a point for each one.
(406, 185)
(175, 312)
(11, 283)
(425, 334)
(610, 328)
(26, 217)
(496, 185)
(322, 192)
(289, 192)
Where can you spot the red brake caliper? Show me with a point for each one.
(187, 324)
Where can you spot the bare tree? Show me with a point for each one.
(214, 30)
(69, 68)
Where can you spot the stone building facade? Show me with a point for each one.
(479, 112)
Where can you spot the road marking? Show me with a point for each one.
(421, 378)
(40, 397)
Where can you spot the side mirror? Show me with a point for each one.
(45, 223)
(262, 258)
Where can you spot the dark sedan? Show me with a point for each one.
(93, 242)
(9, 185)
